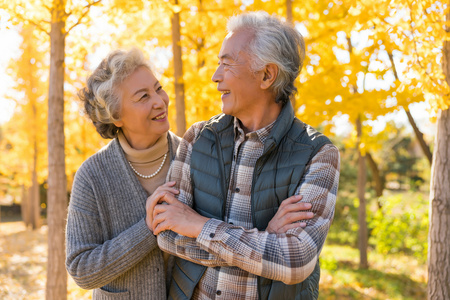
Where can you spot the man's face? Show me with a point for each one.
(239, 86)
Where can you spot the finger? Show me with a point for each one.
(160, 227)
(287, 227)
(159, 209)
(155, 198)
(297, 216)
(295, 207)
(151, 204)
(156, 221)
(168, 186)
(167, 189)
(292, 207)
(170, 199)
(290, 200)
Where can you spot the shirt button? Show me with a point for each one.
(211, 235)
(237, 190)
(218, 293)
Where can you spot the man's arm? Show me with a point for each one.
(289, 257)
(185, 246)
(179, 172)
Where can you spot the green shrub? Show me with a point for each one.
(401, 225)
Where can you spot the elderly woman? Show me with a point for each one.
(110, 247)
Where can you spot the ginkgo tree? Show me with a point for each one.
(364, 59)
(26, 132)
(57, 20)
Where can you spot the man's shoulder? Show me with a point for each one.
(217, 122)
(305, 133)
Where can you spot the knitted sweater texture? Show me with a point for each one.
(108, 245)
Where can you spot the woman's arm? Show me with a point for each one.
(91, 260)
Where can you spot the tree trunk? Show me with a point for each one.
(34, 202)
(25, 207)
(439, 233)
(290, 19)
(56, 288)
(377, 178)
(178, 72)
(361, 185)
(419, 136)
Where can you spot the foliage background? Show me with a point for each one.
(365, 59)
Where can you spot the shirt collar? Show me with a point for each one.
(261, 134)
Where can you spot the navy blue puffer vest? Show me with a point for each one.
(288, 149)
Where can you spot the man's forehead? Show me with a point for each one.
(232, 45)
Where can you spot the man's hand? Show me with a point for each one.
(157, 197)
(289, 213)
(178, 217)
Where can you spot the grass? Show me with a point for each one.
(23, 259)
(388, 277)
(23, 264)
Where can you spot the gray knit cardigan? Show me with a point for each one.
(108, 245)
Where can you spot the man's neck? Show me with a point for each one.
(261, 118)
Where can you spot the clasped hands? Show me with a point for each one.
(165, 212)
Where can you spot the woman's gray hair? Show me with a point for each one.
(102, 100)
(273, 42)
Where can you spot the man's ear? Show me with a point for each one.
(270, 74)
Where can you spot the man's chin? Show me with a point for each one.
(226, 109)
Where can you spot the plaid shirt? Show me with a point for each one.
(235, 252)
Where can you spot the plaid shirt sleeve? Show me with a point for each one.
(169, 241)
(289, 257)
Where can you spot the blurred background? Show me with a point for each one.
(374, 80)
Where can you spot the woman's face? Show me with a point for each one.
(144, 109)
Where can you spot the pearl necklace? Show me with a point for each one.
(151, 175)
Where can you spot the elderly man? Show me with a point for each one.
(241, 168)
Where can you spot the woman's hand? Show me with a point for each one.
(178, 217)
(289, 213)
(157, 197)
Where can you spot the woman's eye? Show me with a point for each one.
(144, 96)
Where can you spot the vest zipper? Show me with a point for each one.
(256, 173)
(222, 172)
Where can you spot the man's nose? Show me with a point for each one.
(217, 76)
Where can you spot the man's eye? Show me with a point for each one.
(145, 96)
(159, 88)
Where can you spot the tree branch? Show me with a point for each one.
(37, 26)
(419, 135)
(87, 9)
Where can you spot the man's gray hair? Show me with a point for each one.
(273, 42)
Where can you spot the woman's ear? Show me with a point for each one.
(118, 123)
(270, 74)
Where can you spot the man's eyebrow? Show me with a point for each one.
(226, 56)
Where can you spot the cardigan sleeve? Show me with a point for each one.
(91, 260)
